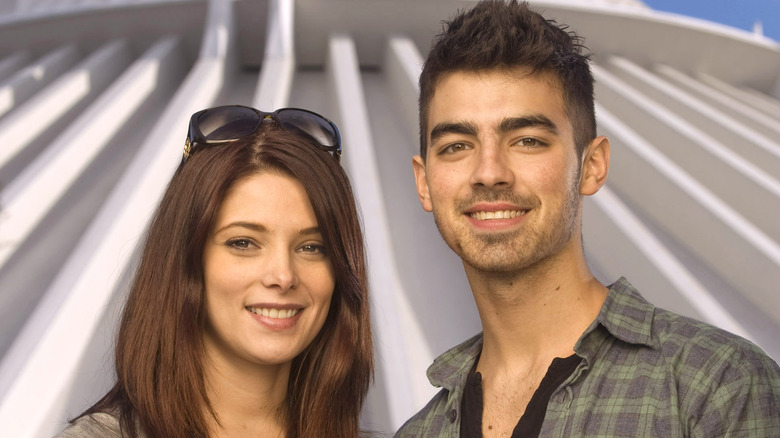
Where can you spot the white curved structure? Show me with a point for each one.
(94, 102)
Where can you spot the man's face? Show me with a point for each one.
(501, 174)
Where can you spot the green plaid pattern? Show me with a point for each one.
(646, 372)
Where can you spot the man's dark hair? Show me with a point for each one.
(508, 35)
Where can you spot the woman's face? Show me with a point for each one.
(267, 273)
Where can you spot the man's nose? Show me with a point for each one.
(492, 167)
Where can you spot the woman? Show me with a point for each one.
(248, 315)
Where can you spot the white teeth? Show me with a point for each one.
(273, 313)
(489, 215)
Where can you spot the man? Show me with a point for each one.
(508, 149)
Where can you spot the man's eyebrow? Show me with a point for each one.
(536, 121)
(442, 129)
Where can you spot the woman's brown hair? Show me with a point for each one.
(160, 389)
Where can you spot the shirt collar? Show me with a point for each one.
(451, 369)
(625, 314)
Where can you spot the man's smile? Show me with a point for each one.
(494, 215)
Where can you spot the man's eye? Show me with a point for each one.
(529, 142)
(454, 148)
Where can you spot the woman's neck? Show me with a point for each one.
(247, 400)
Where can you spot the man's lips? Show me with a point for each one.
(487, 212)
(494, 215)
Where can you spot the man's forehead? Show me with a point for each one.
(511, 75)
(455, 86)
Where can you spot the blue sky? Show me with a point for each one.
(736, 13)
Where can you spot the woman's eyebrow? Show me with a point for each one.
(310, 231)
(243, 224)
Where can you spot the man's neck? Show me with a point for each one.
(533, 316)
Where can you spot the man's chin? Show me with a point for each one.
(497, 262)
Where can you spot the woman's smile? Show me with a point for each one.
(267, 273)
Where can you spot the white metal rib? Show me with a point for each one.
(276, 74)
(403, 64)
(28, 121)
(719, 209)
(13, 62)
(753, 98)
(705, 87)
(667, 263)
(39, 367)
(768, 144)
(706, 142)
(35, 76)
(747, 233)
(34, 192)
(392, 333)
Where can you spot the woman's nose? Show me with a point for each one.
(279, 271)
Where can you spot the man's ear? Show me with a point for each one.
(421, 180)
(595, 165)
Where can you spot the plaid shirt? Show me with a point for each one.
(645, 372)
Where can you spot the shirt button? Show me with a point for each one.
(452, 415)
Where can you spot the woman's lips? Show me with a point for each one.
(276, 317)
(272, 312)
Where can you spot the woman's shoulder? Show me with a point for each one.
(94, 425)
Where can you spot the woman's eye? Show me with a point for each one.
(240, 243)
(313, 248)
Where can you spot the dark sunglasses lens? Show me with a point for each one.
(228, 123)
(308, 123)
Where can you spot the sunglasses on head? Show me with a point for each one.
(223, 124)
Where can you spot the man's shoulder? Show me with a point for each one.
(430, 420)
(698, 348)
(702, 361)
(463, 352)
(711, 381)
(723, 381)
(450, 368)
(448, 371)
(677, 338)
